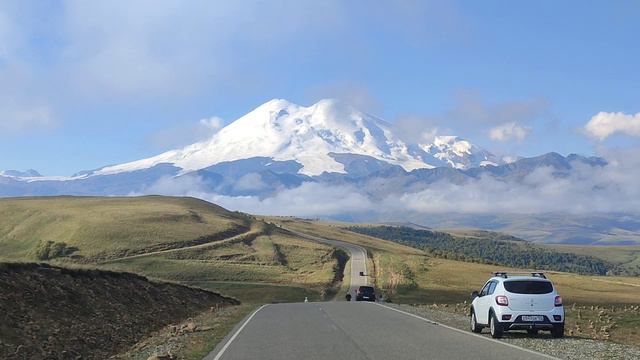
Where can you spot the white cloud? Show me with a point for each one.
(605, 124)
(149, 49)
(213, 123)
(612, 188)
(419, 129)
(308, 199)
(180, 186)
(250, 182)
(24, 118)
(7, 36)
(587, 190)
(509, 131)
(471, 116)
(182, 134)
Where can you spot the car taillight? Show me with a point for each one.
(558, 301)
(502, 300)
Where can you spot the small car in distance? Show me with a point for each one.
(517, 302)
(365, 293)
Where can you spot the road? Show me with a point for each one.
(358, 258)
(354, 331)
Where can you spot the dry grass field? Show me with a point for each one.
(601, 307)
(267, 268)
(110, 226)
(200, 244)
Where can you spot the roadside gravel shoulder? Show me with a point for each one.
(569, 348)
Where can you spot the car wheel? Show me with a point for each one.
(474, 323)
(495, 326)
(532, 331)
(557, 331)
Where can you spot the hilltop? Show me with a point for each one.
(107, 227)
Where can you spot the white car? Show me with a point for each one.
(517, 302)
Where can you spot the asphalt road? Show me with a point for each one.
(358, 259)
(353, 331)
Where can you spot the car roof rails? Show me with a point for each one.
(504, 274)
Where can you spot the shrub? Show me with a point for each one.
(47, 250)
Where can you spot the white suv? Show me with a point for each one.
(516, 302)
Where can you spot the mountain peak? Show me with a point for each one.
(18, 173)
(283, 131)
(276, 104)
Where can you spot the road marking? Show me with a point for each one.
(233, 337)
(466, 332)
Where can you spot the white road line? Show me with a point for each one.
(468, 333)
(233, 337)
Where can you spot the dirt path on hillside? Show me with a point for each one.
(239, 237)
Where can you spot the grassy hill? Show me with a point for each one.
(246, 257)
(100, 227)
(171, 238)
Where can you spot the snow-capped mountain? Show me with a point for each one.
(20, 174)
(281, 153)
(451, 151)
(284, 131)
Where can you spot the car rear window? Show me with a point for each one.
(528, 287)
(366, 289)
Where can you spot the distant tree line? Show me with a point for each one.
(518, 254)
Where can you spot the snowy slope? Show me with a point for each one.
(451, 151)
(282, 130)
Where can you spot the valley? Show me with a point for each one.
(263, 259)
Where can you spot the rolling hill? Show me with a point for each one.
(101, 228)
(246, 257)
(171, 238)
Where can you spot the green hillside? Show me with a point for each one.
(200, 244)
(171, 238)
(511, 252)
(106, 227)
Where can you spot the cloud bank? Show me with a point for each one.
(509, 131)
(586, 190)
(472, 117)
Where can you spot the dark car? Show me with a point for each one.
(365, 293)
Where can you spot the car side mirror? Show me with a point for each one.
(474, 295)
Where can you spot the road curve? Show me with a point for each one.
(354, 331)
(358, 258)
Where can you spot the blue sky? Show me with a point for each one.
(85, 84)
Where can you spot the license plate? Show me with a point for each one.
(532, 318)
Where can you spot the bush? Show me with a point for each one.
(47, 250)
